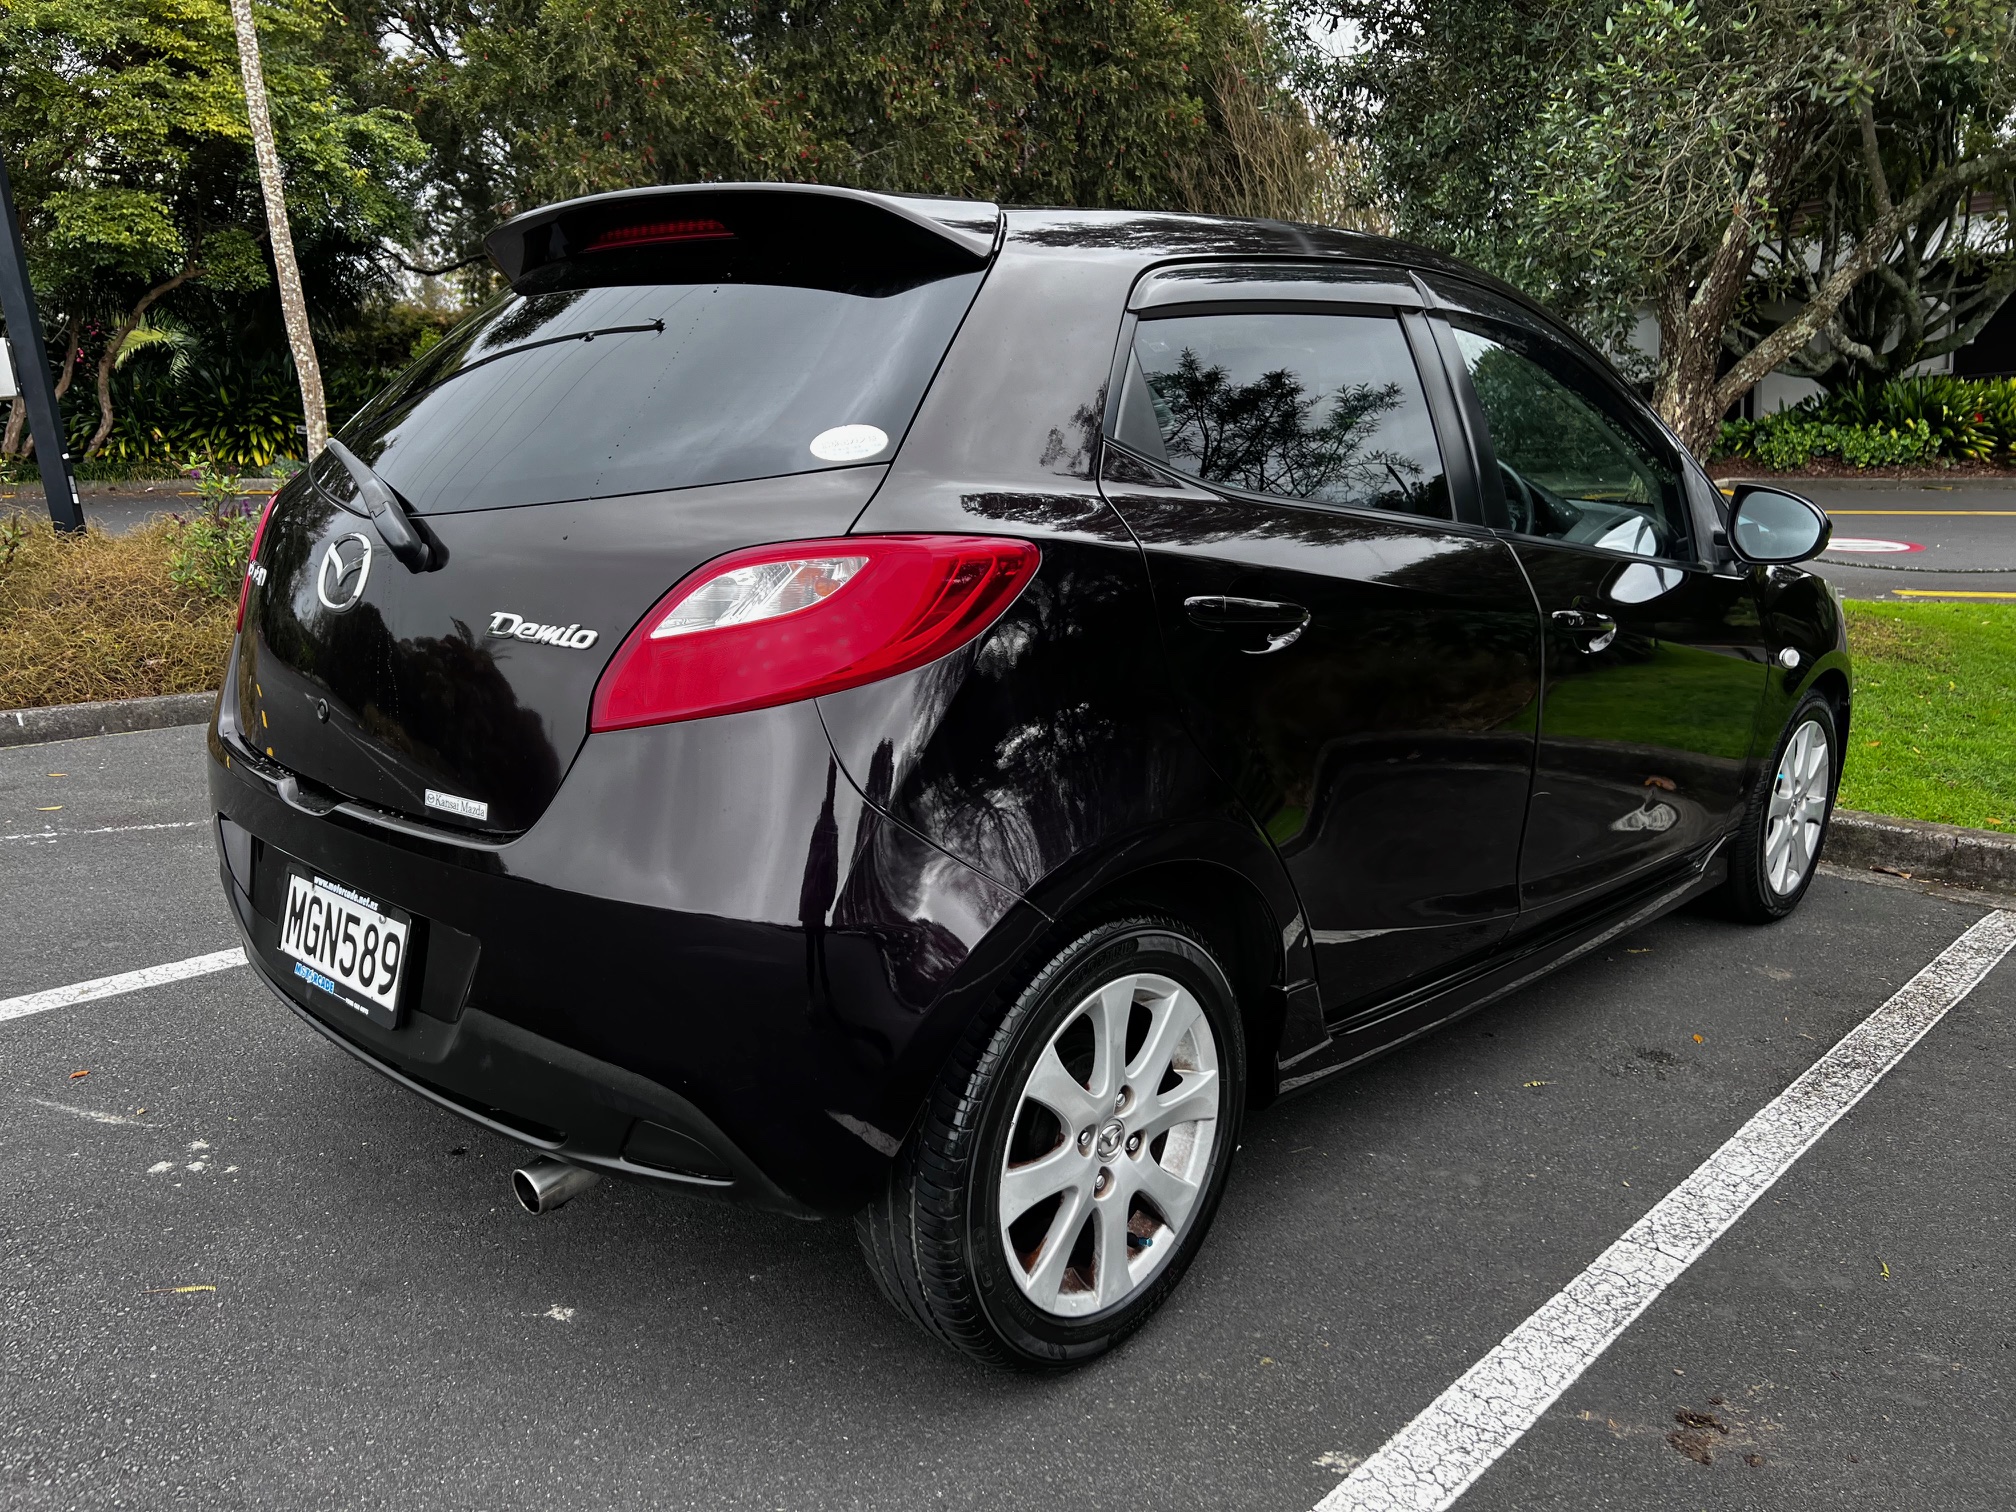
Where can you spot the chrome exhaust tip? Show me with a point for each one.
(545, 1184)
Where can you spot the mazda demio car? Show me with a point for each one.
(907, 709)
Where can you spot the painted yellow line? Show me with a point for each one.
(1944, 593)
(1925, 514)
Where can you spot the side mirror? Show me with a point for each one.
(1770, 526)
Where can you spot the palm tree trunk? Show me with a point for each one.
(292, 305)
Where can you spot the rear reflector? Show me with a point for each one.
(651, 233)
(774, 624)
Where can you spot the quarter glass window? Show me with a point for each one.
(1321, 407)
(1574, 465)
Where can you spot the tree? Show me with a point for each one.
(1617, 155)
(136, 179)
(1046, 101)
(1952, 270)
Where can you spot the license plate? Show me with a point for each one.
(346, 944)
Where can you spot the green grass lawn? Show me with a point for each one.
(1934, 732)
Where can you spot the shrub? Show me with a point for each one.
(1888, 424)
(1997, 408)
(234, 410)
(1949, 408)
(237, 409)
(1790, 439)
(94, 616)
(214, 547)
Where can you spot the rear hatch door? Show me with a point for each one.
(676, 374)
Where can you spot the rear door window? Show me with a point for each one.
(586, 392)
(1321, 407)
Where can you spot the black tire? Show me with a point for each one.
(932, 1239)
(1750, 894)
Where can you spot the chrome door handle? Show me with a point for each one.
(1599, 630)
(1279, 624)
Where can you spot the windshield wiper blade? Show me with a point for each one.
(388, 511)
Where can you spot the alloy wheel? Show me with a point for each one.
(1798, 808)
(1110, 1146)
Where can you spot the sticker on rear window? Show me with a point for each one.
(849, 443)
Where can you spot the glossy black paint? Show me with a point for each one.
(731, 955)
(763, 954)
(1386, 750)
(1649, 723)
(408, 690)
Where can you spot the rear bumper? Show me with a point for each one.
(554, 1099)
(684, 973)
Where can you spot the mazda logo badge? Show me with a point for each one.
(346, 568)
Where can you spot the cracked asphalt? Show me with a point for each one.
(387, 1330)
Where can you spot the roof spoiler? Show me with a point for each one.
(796, 220)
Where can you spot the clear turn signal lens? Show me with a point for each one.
(746, 594)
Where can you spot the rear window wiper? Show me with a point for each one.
(655, 326)
(387, 509)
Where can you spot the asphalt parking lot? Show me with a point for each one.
(380, 1326)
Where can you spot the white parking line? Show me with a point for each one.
(109, 829)
(1428, 1464)
(126, 981)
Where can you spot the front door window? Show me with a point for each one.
(1573, 462)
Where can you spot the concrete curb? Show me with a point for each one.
(115, 717)
(30, 491)
(1914, 848)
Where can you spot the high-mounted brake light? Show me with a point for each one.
(774, 624)
(651, 233)
(252, 559)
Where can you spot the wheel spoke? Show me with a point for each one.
(1046, 1277)
(1815, 755)
(1023, 1186)
(1172, 1195)
(1062, 1093)
(1803, 835)
(1195, 1099)
(1109, 1013)
(1174, 1015)
(1110, 1274)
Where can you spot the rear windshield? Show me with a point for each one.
(586, 392)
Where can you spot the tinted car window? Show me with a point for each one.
(1574, 462)
(587, 392)
(1321, 407)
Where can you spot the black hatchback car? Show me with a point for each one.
(895, 707)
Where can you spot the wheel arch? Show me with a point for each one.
(1223, 880)
(1832, 682)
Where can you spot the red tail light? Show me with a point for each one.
(774, 624)
(252, 558)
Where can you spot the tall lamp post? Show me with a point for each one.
(31, 369)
